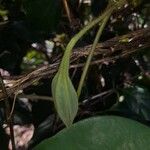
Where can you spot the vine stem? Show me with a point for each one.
(86, 67)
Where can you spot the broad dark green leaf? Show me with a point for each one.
(136, 102)
(101, 133)
(43, 15)
(65, 98)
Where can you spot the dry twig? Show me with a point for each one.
(108, 51)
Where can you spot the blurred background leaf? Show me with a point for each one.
(135, 102)
(44, 15)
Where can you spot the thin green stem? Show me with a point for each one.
(64, 67)
(66, 58)
(98, 35)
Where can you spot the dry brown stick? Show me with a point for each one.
(108, 51)
(140, 38)
(97, 96)
(67, 10)
(7, 113)
(35, 97)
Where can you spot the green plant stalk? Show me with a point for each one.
(113, 5)
(86, 67)
(66, 58)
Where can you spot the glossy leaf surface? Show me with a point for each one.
(106, 133)
(136, 102)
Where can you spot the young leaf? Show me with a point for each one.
(64, 94)
(65, 98)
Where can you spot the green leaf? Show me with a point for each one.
(65, 98)
(43, 15)
(3, 12)
(64, 94)
(136, 102)
(101, 133)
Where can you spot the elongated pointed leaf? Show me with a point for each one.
(101, 133)
(65, 98)
(64, 94)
